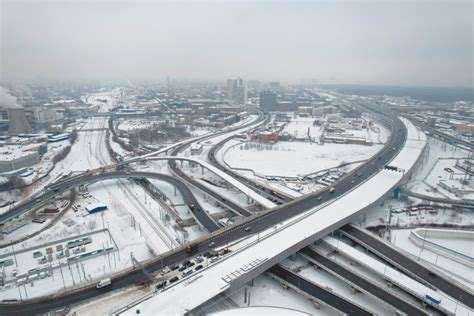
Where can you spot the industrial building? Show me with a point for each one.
(96, 208)
(58, 138)
(265, 137)
(14, 157)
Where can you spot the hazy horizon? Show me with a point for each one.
(352, 42)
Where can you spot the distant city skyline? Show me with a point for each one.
(361, 42)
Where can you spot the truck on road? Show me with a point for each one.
(432, 300)
(103, 283)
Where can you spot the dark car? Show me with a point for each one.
(185, 263)
(199, 267)
(174, 279)
(190, 264)
(175, 267)
(182, 268)
(161, 285)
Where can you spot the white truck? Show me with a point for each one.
(104, 282)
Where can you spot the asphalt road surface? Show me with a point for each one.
(420, 271)
(373, 289)
(318, 292)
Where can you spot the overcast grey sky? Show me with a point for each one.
(381, 42)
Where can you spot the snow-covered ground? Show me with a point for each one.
(104, 101)
(295, 158)
(134, 124)
(302, 127)
(437, 157)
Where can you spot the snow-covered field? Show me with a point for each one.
(104, 101)
(134, 124)
(302, 127)
(295, 158)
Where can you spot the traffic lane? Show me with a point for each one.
(362, 283)
(412, 266)
(198, 211)
(47, 304)
(210, 192)
(20, 209)
(317, 292)
(203, 218)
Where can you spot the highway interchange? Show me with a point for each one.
(220, 237)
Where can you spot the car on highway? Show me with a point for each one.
(174, 279)
(211, 244)
(199, 267)
(199, 260)
(165, 271)
(248, 228)
(174, 267)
